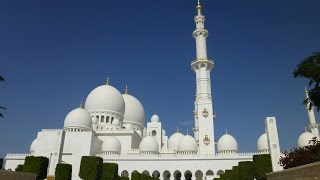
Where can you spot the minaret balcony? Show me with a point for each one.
(202, 62)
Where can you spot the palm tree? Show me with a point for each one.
(3, 108)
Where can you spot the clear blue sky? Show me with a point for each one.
(54, 52)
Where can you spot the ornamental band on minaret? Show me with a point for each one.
(202, 66)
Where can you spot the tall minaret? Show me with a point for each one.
(312, 119)
(202, 65)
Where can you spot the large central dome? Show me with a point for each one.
(105, 98)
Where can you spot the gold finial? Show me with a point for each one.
(187, 131)
(199, 5)
(305, 89)
(81, 105)
(126, 91)
(226, 131)
(107, 81)
(177, 129)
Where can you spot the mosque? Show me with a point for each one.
(112, 125)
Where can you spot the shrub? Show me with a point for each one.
(36, 165)
(235, 173)
(228, 175)
(91, 168)
(19, 168)
(135, 176)
(110, 171)
(1, 163)
(300, 156)
(124, 178)
(143, 177)
(262, 165)
(246, 171)
(63, 172)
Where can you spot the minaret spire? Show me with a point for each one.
(202, 66)
(312, 119)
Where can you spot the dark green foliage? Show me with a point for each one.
(301, 156)
(216, 178)
(19, 168)
(124, 178)
(110, 171)
(228, 175)
(310, 68)
(135, 176)
(1, 163)
(246, 171)
(91, 168)
(235, 173)
(223, 176)
(143, 177)
(36, 165)
(63, 172)
(262, 165)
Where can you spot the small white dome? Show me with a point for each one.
(134, 111)
(111, 144)
(33, 145)
(155, 118)
(227, 143)
(105, 98)
(305, 138)
(78, 118)
(174, 140)
(188, 144)
(262, 143)
(149, 144)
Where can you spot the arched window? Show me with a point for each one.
(124, 173)
(154, 133)
(102, 119)
(112, 119)
(107, 121)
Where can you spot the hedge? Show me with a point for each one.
(235, 172)
(124, 178)
(63, 172)
(143, 177)
(110, 171)
(36, 165)
(262, 165)
(91, 168)
(135, 176)
(228, 174)
(19, 168)
(246, 171)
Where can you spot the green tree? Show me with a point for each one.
(301, 156)
(1, 107)
(310, 68)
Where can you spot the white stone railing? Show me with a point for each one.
(50, 130)
(16, 155)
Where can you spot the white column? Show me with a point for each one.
(273, 143)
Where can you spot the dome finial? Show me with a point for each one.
(187, 131)
(177, 129)
(81, 105)
(107, 81)
(126, 91)
(199, 7)
(226, 131)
